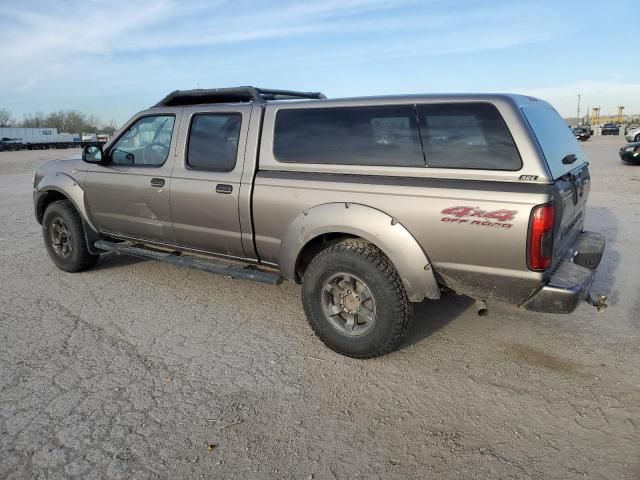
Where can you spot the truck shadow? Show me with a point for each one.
(604, 220)
(432, 315)
(111, 260)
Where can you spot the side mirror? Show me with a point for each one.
(92, 154)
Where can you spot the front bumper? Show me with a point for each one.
(571, 281)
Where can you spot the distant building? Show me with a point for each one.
(602, 119)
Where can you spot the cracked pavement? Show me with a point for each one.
(137, 369)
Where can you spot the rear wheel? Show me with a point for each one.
(64, 238)
(355, 301)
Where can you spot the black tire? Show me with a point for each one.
(637, 139)
(392, 312)
(64, 238)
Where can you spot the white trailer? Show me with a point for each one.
(69, 137)
(89, 137)
(36, 138)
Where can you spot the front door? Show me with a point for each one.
(128, 195)
(206, 181)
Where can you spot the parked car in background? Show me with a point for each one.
(10, 143)
(631, 126)
(610, 129)
(582, 133)
(630, 153)
(633, 135)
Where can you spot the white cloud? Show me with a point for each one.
(140, 49)
(80, 32)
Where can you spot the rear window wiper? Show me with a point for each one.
(569, 159)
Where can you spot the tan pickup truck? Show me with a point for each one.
(370, 203)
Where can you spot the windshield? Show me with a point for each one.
(555, 139)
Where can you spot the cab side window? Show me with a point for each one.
(385, 135)
(146, 143)
(213, 142)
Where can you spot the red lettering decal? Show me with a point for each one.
(502, 215)
(457, 211)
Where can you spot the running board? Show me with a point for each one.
(187, 261)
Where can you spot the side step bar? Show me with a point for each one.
(188, 261)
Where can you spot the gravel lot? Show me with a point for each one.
(141, 370)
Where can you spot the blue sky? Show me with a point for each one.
(113, 58)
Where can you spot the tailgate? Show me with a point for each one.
(567, 166)
(570, 200)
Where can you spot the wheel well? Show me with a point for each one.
(313, 247)
(46, 200)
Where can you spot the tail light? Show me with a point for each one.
(541, 237)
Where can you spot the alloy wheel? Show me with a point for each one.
(61, 239)
(348, 304)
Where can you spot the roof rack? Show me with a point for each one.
(232, 95)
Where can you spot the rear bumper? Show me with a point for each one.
(571, 281)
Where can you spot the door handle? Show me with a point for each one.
(224, 188)
(157, 182)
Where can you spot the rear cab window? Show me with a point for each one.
(555, 139)
(213, 142)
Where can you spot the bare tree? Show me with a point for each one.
(68, 121)
(93, 123)
(109, 128)
(5, 118)
(76, 122)
(57, 120)
(33, 121)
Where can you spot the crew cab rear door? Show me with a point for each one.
(205, 188)
(568, 167)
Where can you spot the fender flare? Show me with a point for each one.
(373, 225)
(67, 186)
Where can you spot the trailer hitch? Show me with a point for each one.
(600, 303)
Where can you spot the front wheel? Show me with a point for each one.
(637, 139)
(355, 301)
(64, 238)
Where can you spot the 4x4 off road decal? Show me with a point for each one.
(478, 217)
